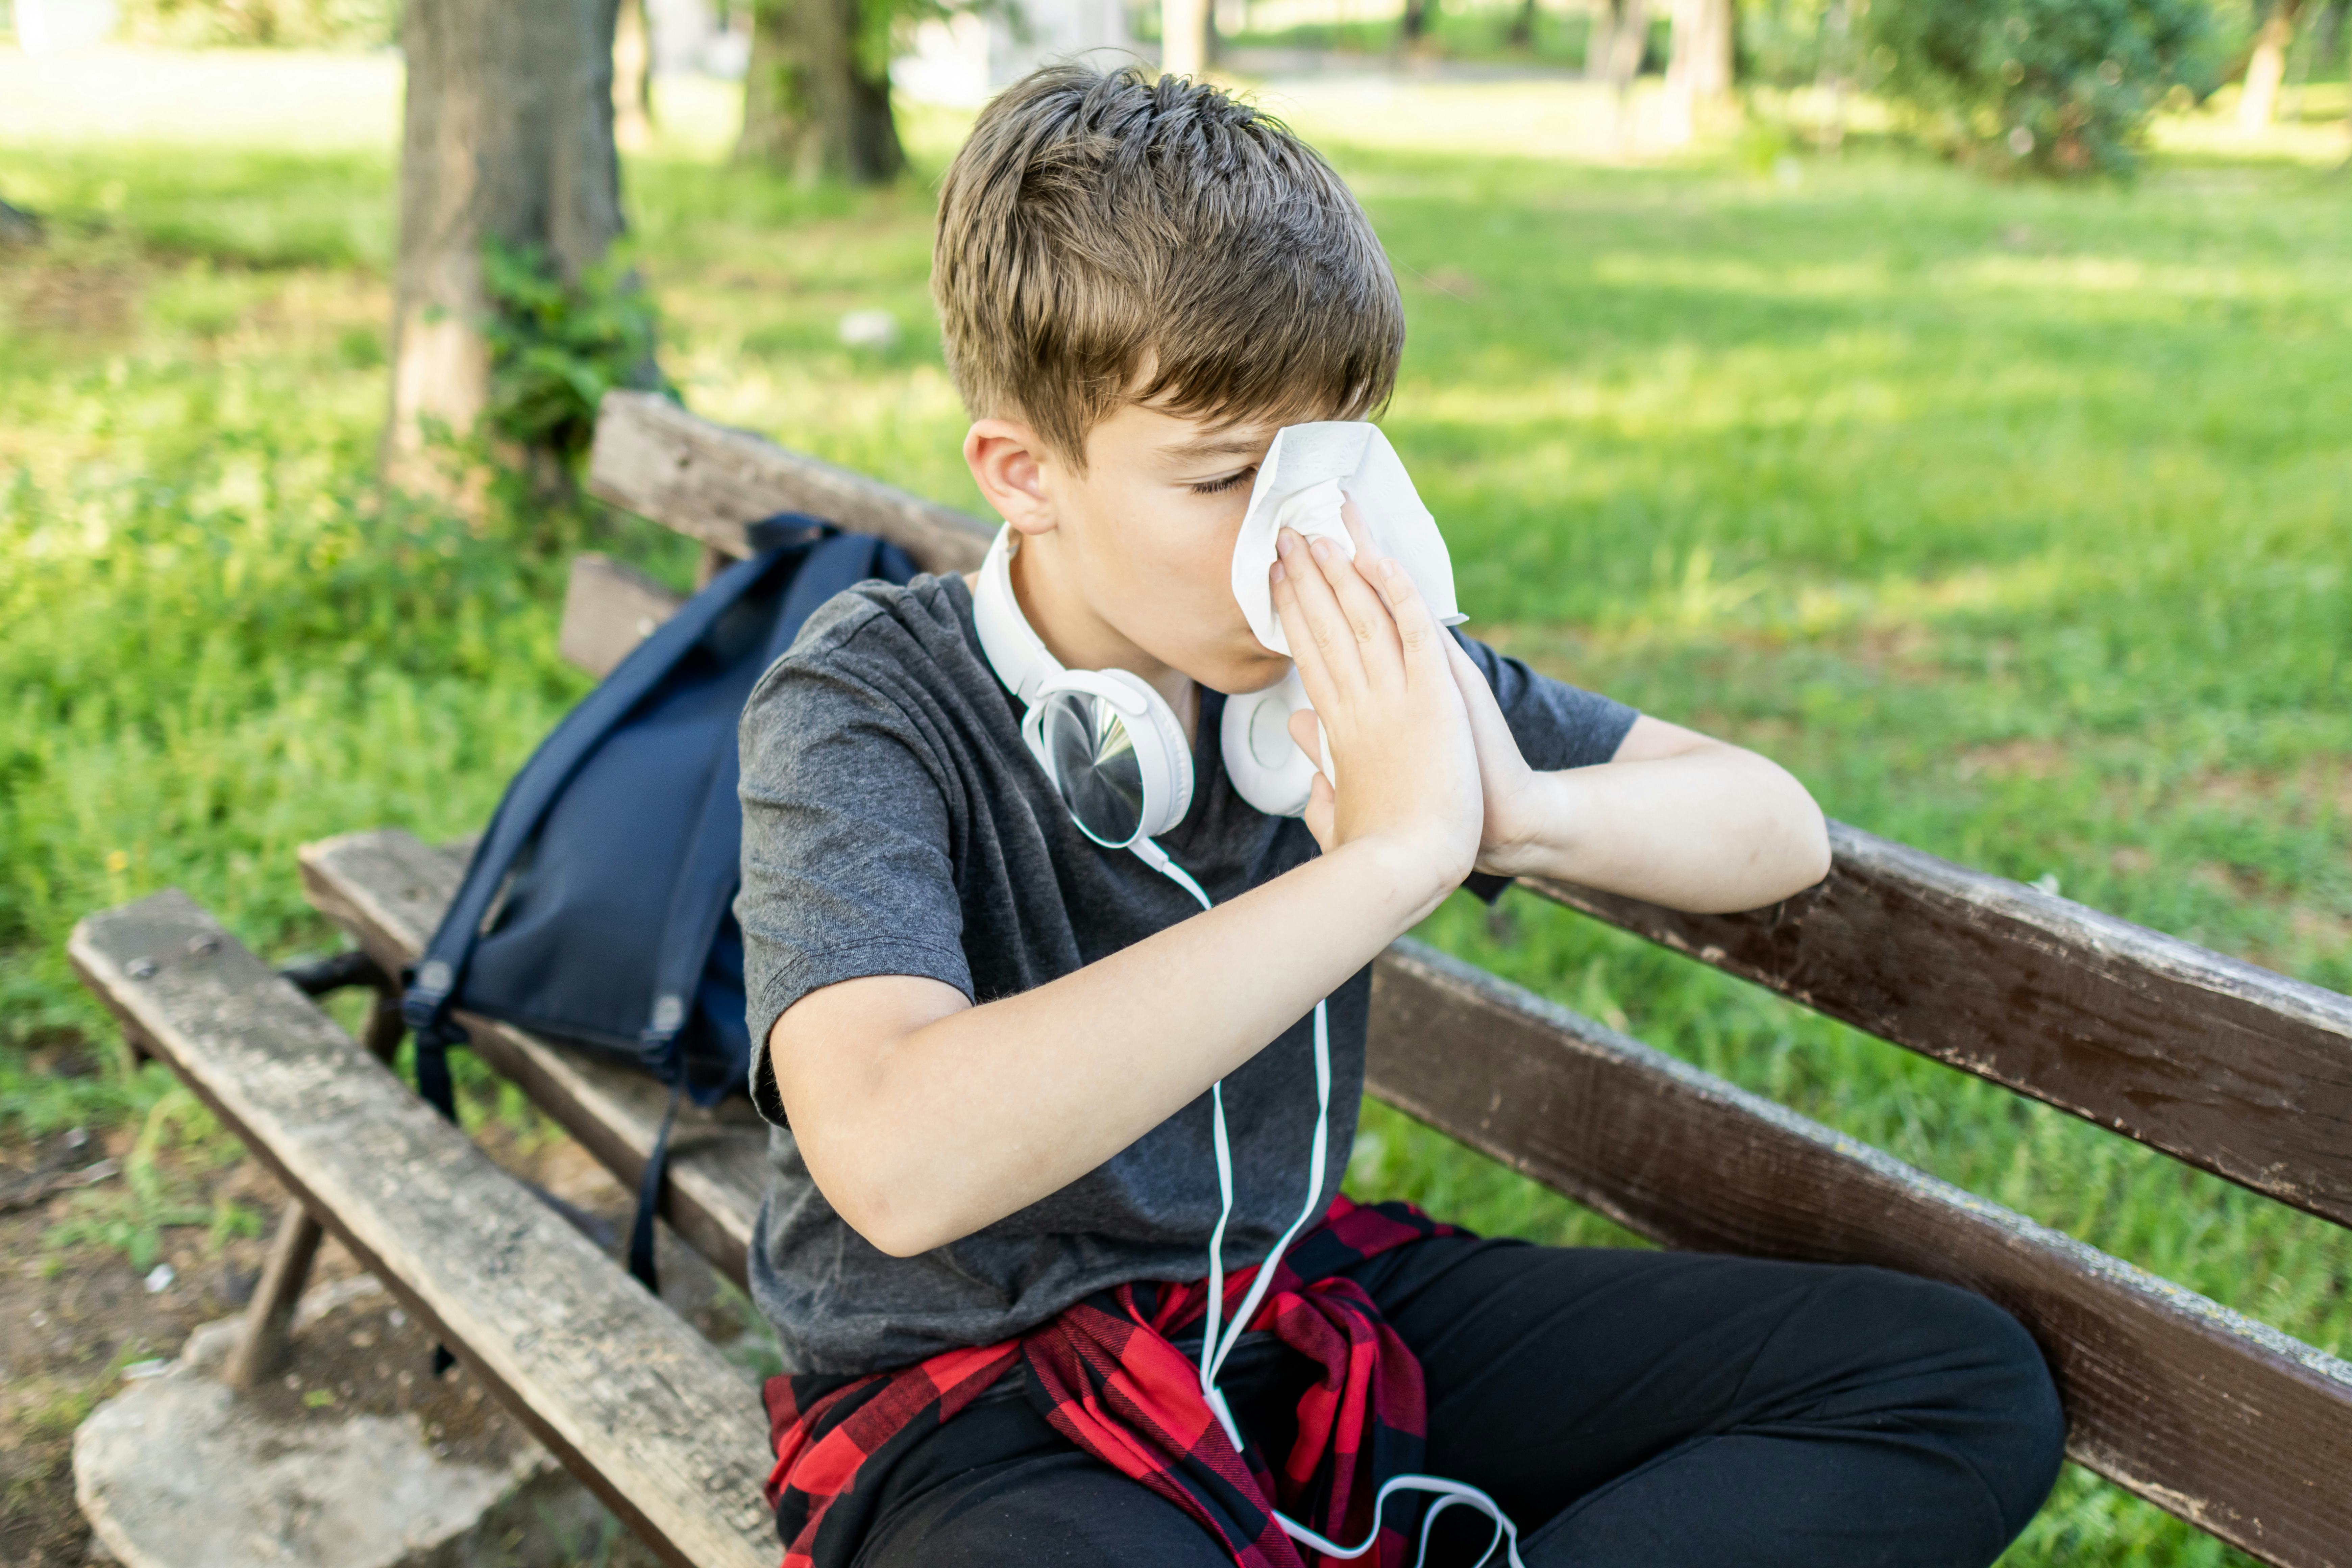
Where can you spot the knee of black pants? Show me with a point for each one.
(1973, 1372)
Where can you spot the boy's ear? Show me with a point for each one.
(1007, 462)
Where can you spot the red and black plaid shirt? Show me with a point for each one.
(1114, 1385)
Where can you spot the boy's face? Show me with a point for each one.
(1129, 565)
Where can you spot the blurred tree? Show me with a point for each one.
(816, 96)
(2062, 87)
(1184, 37)
(1417, 16)
(1698, 70)
(507, 142)
(1522, 26)
(633, 78)
(2266, 66)
(1619, 38)
(1613, 53)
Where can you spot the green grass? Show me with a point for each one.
(2015, 520)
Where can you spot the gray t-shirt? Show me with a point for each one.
(895, 823)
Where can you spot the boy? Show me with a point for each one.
(995, 1039)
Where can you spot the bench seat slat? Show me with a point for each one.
(2235, 1427)
(388, 892)
(2231, 1068)
(644, 1410)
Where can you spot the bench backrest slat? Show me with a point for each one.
(709, 483)
(2229, 1066)
(2223, 1420)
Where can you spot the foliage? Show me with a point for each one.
(2010, 517)
(558, 345)
(2058, 87)
(308, 23)
(131, 1216)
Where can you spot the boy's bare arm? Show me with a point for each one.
(923, 1118)
(1675, 817)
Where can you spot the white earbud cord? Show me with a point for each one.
(1218, 1339)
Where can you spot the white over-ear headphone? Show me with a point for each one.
(1113, 747)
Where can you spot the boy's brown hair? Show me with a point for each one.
(1107, 238)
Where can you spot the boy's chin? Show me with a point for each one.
(1248, 671)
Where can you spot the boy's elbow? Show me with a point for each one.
(900, 1229)
(891, 1235)
(884, 1213)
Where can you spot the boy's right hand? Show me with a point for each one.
(1374, 662)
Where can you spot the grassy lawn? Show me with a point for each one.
(2016, 521)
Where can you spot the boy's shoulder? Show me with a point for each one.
(877, 656)
(874, 619)
(882, 634)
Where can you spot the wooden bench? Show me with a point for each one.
(2240, 1429)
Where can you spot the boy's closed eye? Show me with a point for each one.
(1230, 481)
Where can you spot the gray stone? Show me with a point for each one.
(176, 1472)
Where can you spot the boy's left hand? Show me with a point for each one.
(1504, 780)
(1506, 784)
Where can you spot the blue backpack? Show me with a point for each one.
(598, 908)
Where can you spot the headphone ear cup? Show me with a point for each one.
(1168, 774)
(1264, 762)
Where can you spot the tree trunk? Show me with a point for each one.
(2266, 67)
(1621, 34)
(508, 135)
(1599, 39)
(1830, 80)
(813, 105)
(1698, 70)
(633, 78)
(1417, 15)
(1184, 36)
(1522, 34)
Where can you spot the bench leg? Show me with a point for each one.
(269, 1317)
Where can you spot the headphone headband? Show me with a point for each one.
(1017, 654)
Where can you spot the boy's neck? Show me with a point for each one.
(1079, 638)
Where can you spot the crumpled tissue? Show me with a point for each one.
(1307, 474)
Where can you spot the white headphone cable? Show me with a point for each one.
(1215, 1347)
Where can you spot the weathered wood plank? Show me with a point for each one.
(709, 482)
(2234, 1068)
(608, 609)
(2235, 1427)
(388, 892)
(638, 1404)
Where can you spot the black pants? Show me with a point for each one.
(1628, 1409)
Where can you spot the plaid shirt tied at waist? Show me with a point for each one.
(1111, 1381)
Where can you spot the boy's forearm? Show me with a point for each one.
(1711, 830)
(979, 1114)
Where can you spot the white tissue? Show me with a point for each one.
(1307, 473)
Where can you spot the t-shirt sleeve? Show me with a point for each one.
(1556, 725)
(847, 866)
